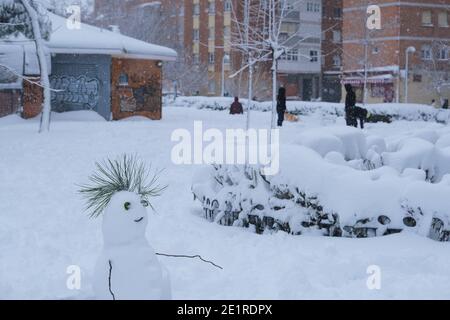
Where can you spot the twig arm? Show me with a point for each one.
(189, 257)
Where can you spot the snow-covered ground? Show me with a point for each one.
(43, 228)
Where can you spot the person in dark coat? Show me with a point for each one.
(236, 107)
(350, 103)
(281, 105)
(445, 105)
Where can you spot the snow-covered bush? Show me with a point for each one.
(385, 112)
(421, 154)
(336, 187)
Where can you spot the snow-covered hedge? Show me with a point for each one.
(388, 111)
(342, 183)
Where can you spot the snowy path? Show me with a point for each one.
(43, 228)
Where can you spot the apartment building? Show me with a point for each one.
(414, 30)
(331, 50)
(300, 66)
(207, 37)
(210, 26)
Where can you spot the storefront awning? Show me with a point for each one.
(379, 79)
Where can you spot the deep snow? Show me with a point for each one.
(43, 228)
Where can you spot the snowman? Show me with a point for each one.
(128, 268)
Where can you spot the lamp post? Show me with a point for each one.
(225, 59)
(408, 51)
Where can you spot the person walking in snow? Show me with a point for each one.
(236, 107)
(433, 103)
(445, 105)
(281, 105)
(350, 103)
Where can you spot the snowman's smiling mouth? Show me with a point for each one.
(139, 220)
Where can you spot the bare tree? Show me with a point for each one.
(436, 68)
(184, 75)
(262, 38)
(158, 22)
(35, 11)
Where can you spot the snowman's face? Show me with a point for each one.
(125, 219)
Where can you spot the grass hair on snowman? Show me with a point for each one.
(123, 174)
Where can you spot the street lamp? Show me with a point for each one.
(408, 51)
(225, 59)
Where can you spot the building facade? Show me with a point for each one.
(300, 66)
(414, 29)
(210, 33)
(207, 39)
(332, 50)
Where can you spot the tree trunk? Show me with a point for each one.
(274, 91)
(249, 103)
(250, 94)
(39, 41)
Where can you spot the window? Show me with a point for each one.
(313, 7)
(417, 78)
(337, 12)
(289, 6)
(283, 37)
(293, 55)
(211, 57)
(196, 35)
(377, 91)
(211, 33)
(289, 28)
(443, 19)
(426, 52)
(290, 55)
(427, 18)
(226, 32)
(336, 61)
(212, 86)
(196, 9)
(314, 54)
(443, 54)
(317, 7)
(196, 58)
(226, 58)
(212, 7)
(123, 79)
(227, 6)
(336, 36)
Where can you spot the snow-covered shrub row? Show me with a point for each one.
(339, 182)
(379, 112)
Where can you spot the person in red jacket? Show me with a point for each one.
(236, 107)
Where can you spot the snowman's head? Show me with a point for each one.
(120, 190)
(125, 219)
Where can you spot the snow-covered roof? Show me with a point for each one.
(92, 40)
(88, 39)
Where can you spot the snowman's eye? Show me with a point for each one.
(127, 205)
(145, 203)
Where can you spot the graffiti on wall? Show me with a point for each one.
(145, 97)
(80, 91)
